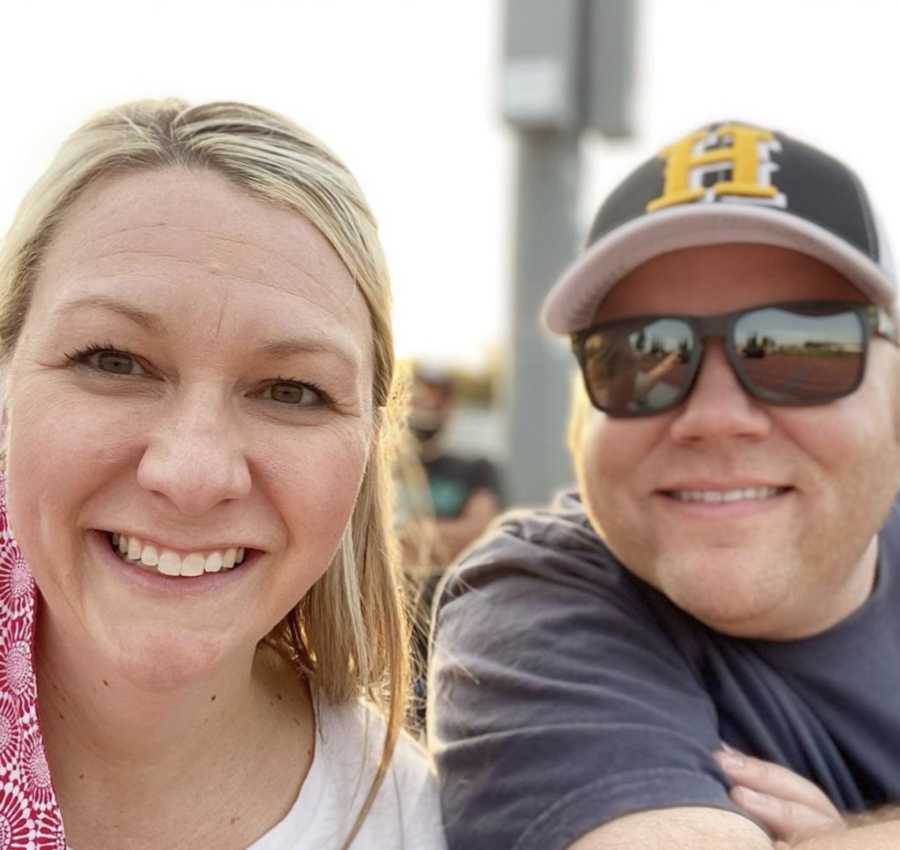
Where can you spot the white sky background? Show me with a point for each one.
(405, 91)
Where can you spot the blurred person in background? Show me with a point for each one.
(460, 496)
(699, 648)
(464, 491)
(202, 631)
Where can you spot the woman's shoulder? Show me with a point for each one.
(405, 813)
(352, 736)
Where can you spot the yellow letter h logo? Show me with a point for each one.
(743, 151)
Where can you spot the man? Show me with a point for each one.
(700, 648)
(464, 492)
(463, 495)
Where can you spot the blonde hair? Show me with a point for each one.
(579, 414)
(349, 634)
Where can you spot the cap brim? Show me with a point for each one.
(571, 304)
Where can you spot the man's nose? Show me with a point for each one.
(718, 406)
(194, 457)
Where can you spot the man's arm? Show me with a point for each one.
(796, 812)
(694, 828)
(711, 829)
(876, 836)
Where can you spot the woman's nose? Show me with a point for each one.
(195, 458)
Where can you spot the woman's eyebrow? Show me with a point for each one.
(286, 347)
(278, 348)
(144, 319)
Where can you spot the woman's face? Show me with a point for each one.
(193, 382)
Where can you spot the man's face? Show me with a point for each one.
(792, 550)
(430, 405)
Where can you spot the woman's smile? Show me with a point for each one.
(172, 562)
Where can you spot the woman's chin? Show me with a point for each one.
(162, 660)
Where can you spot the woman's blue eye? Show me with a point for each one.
(113, 361)
(292, 393)
(110, 360)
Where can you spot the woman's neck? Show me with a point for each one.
(212, 763)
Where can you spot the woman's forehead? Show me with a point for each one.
(174, 236)
(195, 214)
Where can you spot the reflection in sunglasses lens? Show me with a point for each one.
(800, 354)
(789, 357)
(640, 369)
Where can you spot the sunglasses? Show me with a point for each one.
(795, 353)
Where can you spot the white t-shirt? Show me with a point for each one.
(405, 814)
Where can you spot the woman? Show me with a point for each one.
(194, 321)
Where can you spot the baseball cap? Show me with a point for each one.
(728, 182)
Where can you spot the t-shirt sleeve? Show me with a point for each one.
(557, 702)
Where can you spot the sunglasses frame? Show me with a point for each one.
(874, 320)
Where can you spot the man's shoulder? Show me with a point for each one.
(889, 550)
(538, 543)
(548, 559)
(563, 523)
(891, 525)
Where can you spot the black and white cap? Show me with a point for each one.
(728, 182)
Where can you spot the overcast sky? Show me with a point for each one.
(406, 92)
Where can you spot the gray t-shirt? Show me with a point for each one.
(565, 692)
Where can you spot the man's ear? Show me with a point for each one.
(579, 414)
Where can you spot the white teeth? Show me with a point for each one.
(193, 564)
(716, 496)
(170, 563)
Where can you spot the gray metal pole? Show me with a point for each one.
(567, 68)
(545, 242)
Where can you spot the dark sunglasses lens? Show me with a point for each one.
(797, 356)
(637, 369)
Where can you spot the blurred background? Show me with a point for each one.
(471, 127)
